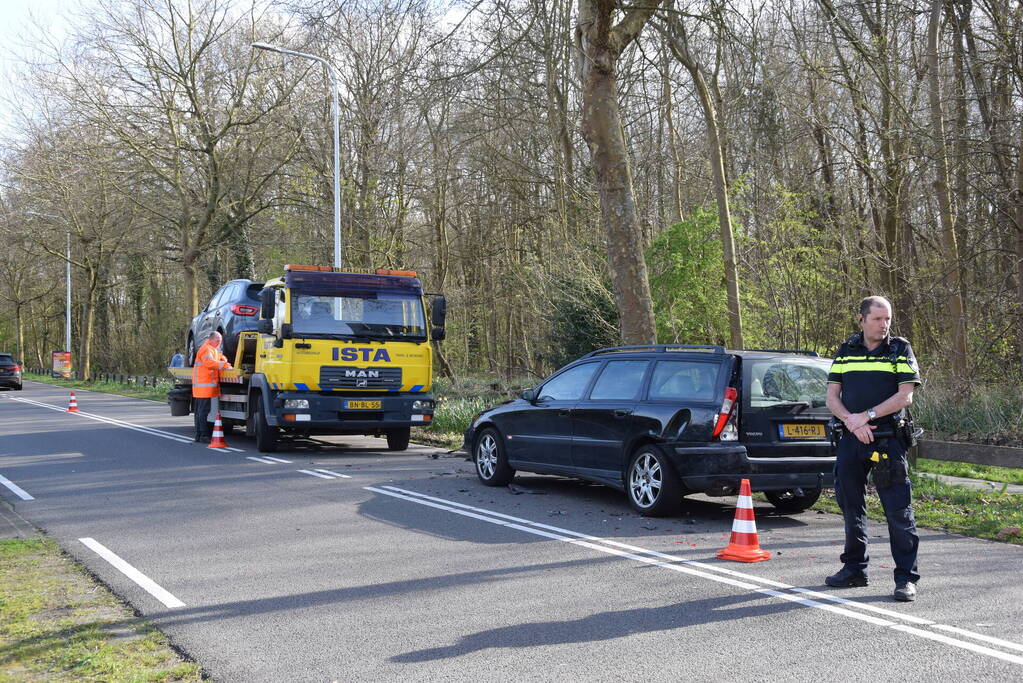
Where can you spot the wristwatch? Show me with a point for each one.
(872, 414)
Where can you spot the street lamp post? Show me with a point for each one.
(337, 141)
(67, 275)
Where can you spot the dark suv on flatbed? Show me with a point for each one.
(660, 422)
(10, 372)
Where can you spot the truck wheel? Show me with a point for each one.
(491, 461)
(397, 439)
(788, 501)
(651, 484)
(266, 434)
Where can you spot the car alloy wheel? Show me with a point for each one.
(652, 486)
(491, 464)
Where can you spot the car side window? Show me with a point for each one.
(620, 380)
(217, 299)
(569, 385)
(683, 380)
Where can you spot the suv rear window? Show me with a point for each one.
(683, 380)
(252, 292)
(6, 358)
(775, 381)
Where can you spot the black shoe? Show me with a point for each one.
(203, 439)
(198, 438)
(905, 591)
(846, 578)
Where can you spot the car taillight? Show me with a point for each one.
(727, 406)
(242, 309)
(16, 368)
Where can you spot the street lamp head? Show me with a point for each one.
(266, 46)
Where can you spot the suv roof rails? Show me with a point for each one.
(802, 352)
(658, 348)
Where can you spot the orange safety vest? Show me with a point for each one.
(206, 371)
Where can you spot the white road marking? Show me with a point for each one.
(110, 420)
(336, 474)
(713, 573)
(268, 457)
(262, 460)
(135, 575)
(235, 450)
(316, 474)
(18, 491)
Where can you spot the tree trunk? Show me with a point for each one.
(600, 46)
(955, 302)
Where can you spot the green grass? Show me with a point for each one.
(984, 514)
(158, 393)
(991, 414)
(58, 624)
(1009, 475)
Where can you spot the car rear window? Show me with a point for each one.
(683, 380)
(620, 380)
(776, 381)
(6, 358)
(252, 292)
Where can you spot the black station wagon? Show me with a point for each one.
(661, 422)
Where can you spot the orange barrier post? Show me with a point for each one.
(744, 545)
(218, 434)
(72, 403)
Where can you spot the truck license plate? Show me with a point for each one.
(363, 405)
(802, 431)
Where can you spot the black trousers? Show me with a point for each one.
(851, 468)
(201, 411)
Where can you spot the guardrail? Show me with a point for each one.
(974, 453)
(138, 380)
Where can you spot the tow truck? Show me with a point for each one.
(335, 352)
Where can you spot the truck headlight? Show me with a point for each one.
(296, 404)
(422, 405)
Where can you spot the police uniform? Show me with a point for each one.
(869, 377)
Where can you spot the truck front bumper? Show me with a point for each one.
(352, 413)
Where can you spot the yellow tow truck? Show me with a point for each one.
(336, 352)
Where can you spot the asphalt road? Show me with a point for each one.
(407, 568)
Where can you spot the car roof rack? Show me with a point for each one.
(802, 352)
(657, 348)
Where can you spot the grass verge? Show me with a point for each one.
(1008, 475)
(157, 393)
(956, 509)
(58, 624)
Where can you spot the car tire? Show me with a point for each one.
(266, 434)
(787, 501)
(397, 439)
(651, 484)
(490, 459)
(190, 351)
(19, 387)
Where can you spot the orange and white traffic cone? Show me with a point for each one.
(744, 545)
(72, 403)
(218, 434)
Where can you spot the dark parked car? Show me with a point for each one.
(232, 310)
(660, 422)
(10, 372)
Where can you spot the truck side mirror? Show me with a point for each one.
(266, 306)
(438, 334)
(265, 326)
(286, 331)
(440, 310)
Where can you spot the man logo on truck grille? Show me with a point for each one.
(362, 373)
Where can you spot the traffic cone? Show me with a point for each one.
(218, 434)
(744, 545)
(72, 403)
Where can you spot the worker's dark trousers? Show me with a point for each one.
(851, 468)
(201, 411)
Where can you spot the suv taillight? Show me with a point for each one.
(727, 408)
(242, 309)
(16, 368)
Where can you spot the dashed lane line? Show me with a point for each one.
(316, 474)
(336, 474)
(146, 583)
(18, 491)
(273, 459)
(849, 608)
(257, 459)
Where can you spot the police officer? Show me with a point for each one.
(871, 381)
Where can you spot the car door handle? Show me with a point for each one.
(623, 413)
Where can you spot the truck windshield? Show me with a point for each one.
(369, 315)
